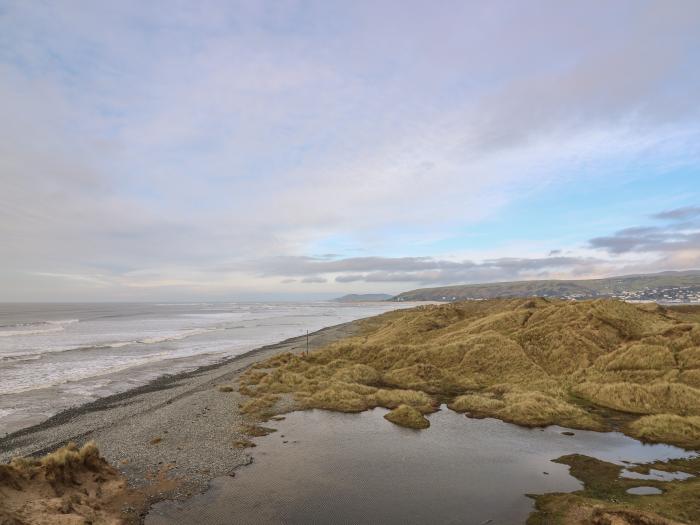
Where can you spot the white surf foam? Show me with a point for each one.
(44, 327)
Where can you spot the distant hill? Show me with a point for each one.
(363, 298)
(671, 287)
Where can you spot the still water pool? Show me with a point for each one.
(327, 467)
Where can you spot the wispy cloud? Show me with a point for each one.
(151, 145)
(688, 212)
(423, 270)
(680, 234)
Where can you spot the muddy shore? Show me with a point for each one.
(178, 427)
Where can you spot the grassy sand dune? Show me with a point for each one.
(529, 361)
(668, 427)
(532, 362)
(71, 485)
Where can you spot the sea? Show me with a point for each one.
(57, 356)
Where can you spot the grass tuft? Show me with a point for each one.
(662, 428)
(529, 361)
(407, 416)
(477, 405)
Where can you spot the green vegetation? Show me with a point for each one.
(584, 288)
(599, 365)
(604, 498)
(363, 298)
(533, 362)
(684, 431)
(407, 416)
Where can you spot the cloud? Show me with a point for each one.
(301, 265)
(146, 144)
(424, 270)
(313, 279)
(679, 235)
(687, 212)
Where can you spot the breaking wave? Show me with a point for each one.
(41, 327)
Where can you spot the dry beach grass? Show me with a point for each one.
(592, 365)
(597, 365)
(69, 486)
(532, 362)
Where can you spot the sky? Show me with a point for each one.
(297, 150)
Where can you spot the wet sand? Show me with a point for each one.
(180, 426)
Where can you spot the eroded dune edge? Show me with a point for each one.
(68, 486)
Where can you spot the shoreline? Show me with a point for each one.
(176, 427)
(171, 437)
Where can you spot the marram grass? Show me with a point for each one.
(407, 416)
(667, 427)
(533, 362)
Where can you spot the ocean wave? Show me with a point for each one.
(39, 327)
(12, 333)
(66, 377)
(5, 412)
(33, 355)
(176, 337)
(60, 377)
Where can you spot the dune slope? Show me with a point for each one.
(532, 362)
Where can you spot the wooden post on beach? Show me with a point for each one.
(307, 343)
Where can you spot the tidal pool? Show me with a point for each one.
(329, 467)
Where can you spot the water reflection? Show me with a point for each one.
(644, 491)
(325, 467)
(657, 475)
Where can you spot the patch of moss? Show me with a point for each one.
(604, 498)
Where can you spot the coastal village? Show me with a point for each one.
(676, 295)
(662, 295)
